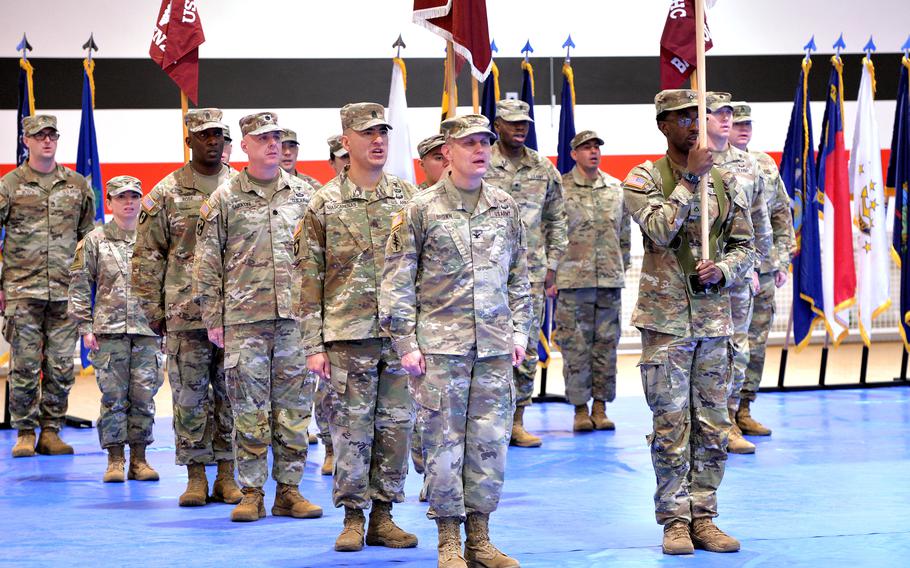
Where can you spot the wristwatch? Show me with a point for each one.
(691, 178)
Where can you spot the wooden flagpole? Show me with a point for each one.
(475, 95)
(450, 79)
(184, 107)
(702, 118)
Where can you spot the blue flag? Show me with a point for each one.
(26, 107)
(564, 161)
(527, 95)
(797, 170)
(87, 162)
(898, 180)
(490, 94)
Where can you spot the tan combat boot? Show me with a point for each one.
(383, 531)
(521, 437)
(115, 464)
(25, 444)
(736, 444)
(290, 503)
(749, 425)
(225, 489)
(140, 469)
(582, 422)
(197, 487)
(706, 536)
(479, 552)
(50, 444)
(599, 416)
(328, 464)
(251, 507)
(351, 537)
(449, 547)
(677, 539)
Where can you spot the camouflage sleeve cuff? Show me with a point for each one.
(85, 327)
(520, 339)
(313, 349)
(728, 276)
(405, 345)
(554, 263)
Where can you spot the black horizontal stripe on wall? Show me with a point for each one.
(331, 83)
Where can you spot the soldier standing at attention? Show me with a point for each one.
(341, 250)
(455, 302)
(772, 271)
(125, 352)
(590, 279)
(163, 283)
(683, 313)
(432, 162)
(290, 148)
(46, 210)
(228, 146)
(745, 168)
(338, 154)
(535, 184)
(246, 287)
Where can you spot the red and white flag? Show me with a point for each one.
(677, 44)
(175, 44)
(464, 23)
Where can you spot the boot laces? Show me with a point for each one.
(678, 530)
(707, 529)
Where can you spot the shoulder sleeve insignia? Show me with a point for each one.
(636, 181)
(148, 202)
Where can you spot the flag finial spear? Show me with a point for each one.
(527, 49)
(493, 47)
(869, 48)
(810, 47)
(839, 45)
(24, 46)
(399, 43)
(906, 47)
(568, 44)
(90, 45)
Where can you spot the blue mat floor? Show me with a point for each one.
(831, 487)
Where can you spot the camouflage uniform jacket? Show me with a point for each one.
(455, 280)
(103, 262)
(537, 188)
(778, 203)
(244, 266)
(314, 183)
(162, 267)
(664, 304)
(750, 182)
(599, 233)
(42, 230)
(341, 253)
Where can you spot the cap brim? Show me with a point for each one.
(739, 119)
(124, 189)
(340, 153)
(683, 106)
(515, 117)
(718, 106)
(371, 123)
(207, 125)
(265, 129)
(33, 132)
(588, 139)
(294, 140)
(430, 149)
(474, 130)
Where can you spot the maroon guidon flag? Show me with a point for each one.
(175, 44)
(464, 23)
(677, 44)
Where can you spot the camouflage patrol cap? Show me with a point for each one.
(259, 123)
(34, 124)
(465, 125)
(360, 116)
(717, 100)
(585, 136)
(227, 134)
(200, 119)
(674, 99)
(513, 110)
(742, 112)
(428, 144)
(288, 135)
(336, 147)
(122, 184)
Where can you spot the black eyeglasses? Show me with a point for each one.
(684, 121)
(41, 136)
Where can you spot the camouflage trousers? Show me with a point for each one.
(271, 395)
(371, 421)
(527, 371)
(465, 408)
(42, 342)
(322, 405)
(762, 317)
(741, 311)
(686, 381)
(587, 330)
(129, 372)
(202, 412)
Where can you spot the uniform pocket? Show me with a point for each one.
(338, 379)
(100, 359)
(426, 394)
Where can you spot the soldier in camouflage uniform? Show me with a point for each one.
(341, 250)
(455, 303)
(125, 352)
(46, 209)
(535, 184)
(683, 313)
(162, 282)
(228, 146)
(590, 279)
(290, 148)
(432, 162)
(338, 154)
(773, 269)
(246, 287)
(745, 168)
